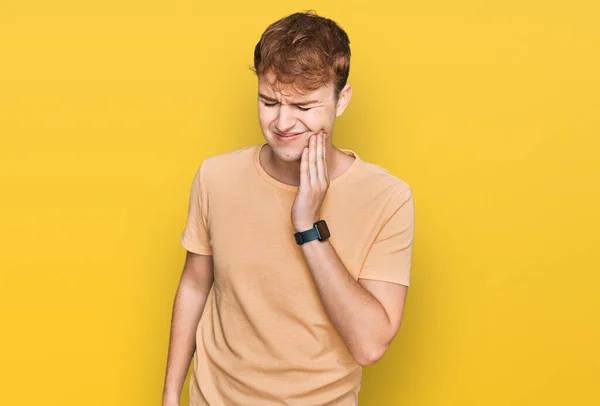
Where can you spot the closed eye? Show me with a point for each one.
(274, 104)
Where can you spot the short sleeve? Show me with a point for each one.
(389, 258)
(195, 237)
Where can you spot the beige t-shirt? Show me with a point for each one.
(264, 337)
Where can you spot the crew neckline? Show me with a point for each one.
(258, 148)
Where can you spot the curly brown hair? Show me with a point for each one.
(304, 51)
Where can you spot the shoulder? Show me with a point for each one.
(226, 164)
(381, 184)
(390, 198)
(230, 158)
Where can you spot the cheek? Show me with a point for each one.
(318, 120)
(266, 116)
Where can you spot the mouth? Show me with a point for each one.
(289, 136)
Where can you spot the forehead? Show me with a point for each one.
(268, 86)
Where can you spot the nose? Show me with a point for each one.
(285, 119)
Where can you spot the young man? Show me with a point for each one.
(299, 252)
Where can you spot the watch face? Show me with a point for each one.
(322, 229)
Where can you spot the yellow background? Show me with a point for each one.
(490, 110)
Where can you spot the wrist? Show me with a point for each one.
(303, 227)
(316, 231)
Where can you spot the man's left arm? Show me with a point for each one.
(366, 313)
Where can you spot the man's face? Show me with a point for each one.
(288, 119)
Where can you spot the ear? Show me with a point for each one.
(343, 100)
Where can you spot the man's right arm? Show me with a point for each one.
(195, 283)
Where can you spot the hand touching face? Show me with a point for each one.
(314, 183)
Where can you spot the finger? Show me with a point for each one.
(312, 158)
(326, 170)
(321, 160)
(304, 180)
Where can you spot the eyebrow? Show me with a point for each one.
(302, 103)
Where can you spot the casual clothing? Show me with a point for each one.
(264, 337)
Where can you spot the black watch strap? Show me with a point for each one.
(306, 236)
(320, 231)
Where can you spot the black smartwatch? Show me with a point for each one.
(318, 232)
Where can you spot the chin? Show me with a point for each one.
(289, 154)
